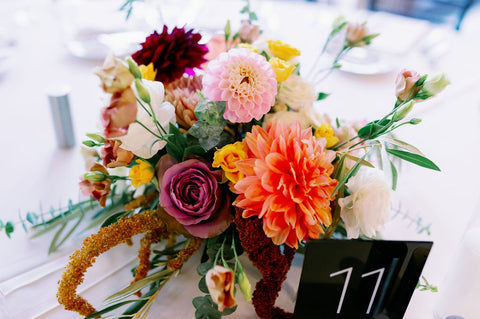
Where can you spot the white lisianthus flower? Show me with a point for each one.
(367, 209)
(139, 140)
(296, 93)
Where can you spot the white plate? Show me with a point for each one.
(366, 61)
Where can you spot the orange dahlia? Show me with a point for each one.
(287, 182)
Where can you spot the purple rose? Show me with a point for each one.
(190, 192)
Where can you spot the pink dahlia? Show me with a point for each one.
(287, 182)
(245, 80)
(182, 93)
(172, 54)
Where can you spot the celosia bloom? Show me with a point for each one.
(282, 50)
(282, 68)
(140, 141)
(221, 283)
(96, 189)
(404, 84)
(182, 93)
(121, 112)
(190, 192)
(367, 209)
(295, 93)
(287, 182)
(141, 173)
(227, 156)
(171, 53)
(115, 156)
(245, 80)
(326, 131)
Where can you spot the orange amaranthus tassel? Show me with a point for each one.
(93, 247)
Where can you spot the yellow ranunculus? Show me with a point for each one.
(282, 50)
(326, 131)
(141, 173)
(148, 72)
(282, 68)
(247, 46)
(226, 158)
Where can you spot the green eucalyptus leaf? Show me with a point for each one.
(229, 311)
(202, 285)
(199, 301)
(9, 228)
(203, 268)
(414, 158)
(32, 218)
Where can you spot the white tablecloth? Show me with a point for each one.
(36, 174)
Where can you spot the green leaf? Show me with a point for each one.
(253, 16)
(202, 285)
(350, 173)
(229, 311)
(195, 150)
(414, 158)
(112, 219)
(110, 308)
(362, 161)
(394, 175)
(32, 218)
(176, 143)
(322, 96)
(199, 301)
(2, 225)
(203, 268)
(370, 37)
(9, 228)
(138, 285)
(244, 9)
(402, 144)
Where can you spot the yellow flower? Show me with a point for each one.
(141, 173)
(282, 50)
(326, 131)
(148, 72)
(247, 46)
(226, 158)
(282, 68)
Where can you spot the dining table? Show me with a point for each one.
(38, 174)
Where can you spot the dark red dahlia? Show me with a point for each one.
(171, 53)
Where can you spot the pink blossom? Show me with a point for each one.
(248, 32)
(404, 83)
(245, 80)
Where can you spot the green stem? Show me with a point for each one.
(156, 135)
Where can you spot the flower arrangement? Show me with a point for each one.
(218, 145)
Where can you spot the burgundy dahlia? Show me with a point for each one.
(171, 53)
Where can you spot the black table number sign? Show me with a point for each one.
(356, 279)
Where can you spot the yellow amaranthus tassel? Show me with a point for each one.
(142, 201)
(93, 247)
(144, 253)
(177, 262)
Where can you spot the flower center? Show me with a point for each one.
(245, 80)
